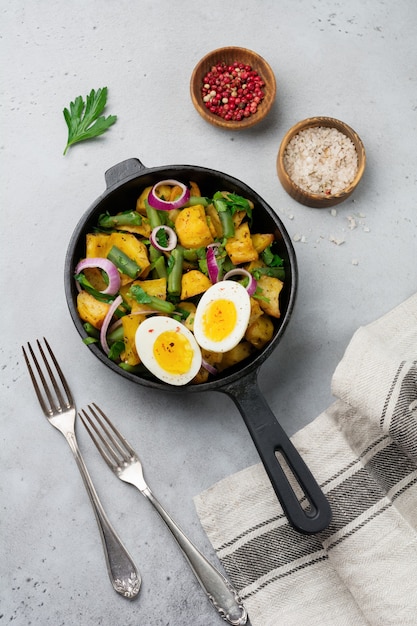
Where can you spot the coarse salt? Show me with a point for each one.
(321, 160)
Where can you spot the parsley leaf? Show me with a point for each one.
(84, 119)
(271, 259)
(161, 238)
(237, 203)
(140, 295)
(116, 349)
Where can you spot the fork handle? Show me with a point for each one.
(121, 569)
(220, 592)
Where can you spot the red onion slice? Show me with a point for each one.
(251, 288)
(103, 330)
(163, 205)
(105, 265)
(171, 235)
(212, 267)
(210, 368)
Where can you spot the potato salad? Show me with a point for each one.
(179, 287)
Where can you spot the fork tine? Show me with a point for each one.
(105, 450)
(48, 410)
(45, 393)
(52, 379)
(124, 444)
(70, 401)
(114, 452)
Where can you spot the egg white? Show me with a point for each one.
(230, 291)
(146, 339)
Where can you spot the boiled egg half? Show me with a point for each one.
(222, 316)
(168, 349)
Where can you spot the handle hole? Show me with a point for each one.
(305, 502)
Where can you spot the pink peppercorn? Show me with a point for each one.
(232, 92)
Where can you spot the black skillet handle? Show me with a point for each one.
(269, 439)
(123, 171)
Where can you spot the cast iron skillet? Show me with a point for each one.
(124, 182)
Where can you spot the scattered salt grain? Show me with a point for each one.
(336, 240)
(355, 262)
(321, 160)
(352, 222)
(333, 212)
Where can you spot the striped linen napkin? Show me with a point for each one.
(362, 450)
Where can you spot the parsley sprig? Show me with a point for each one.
(84, 119)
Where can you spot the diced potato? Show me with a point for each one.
(97, 245)
(164, 192)
(214, 222)
(100, 244)
(156, 287)
(130, 325)
(134, 249)
(271, 288)
(192, 228)
(260, 332)
(95, 278)
(140, 202)
(235, 355)
(214, 358)
(91, 310)
(193, 283)
(195, 189)
(238, 218)
(175, 193)
(261, 241)
(201, 376)
(191, 308)
(255, 311)
(240, 247)
(253, 265)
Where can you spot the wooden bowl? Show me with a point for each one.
(317, 200)
(229, 55)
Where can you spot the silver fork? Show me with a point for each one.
(124, 462)
(58, 405)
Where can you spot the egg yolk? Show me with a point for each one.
(173, 352)
(219, 319)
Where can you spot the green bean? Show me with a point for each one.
(225, 215)
(159, 268)
(175, 272)
(155, 217)
(123, 263)
(116, 335)
(194, 200)
(127, 218)
(227, 224)
(91, 330)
